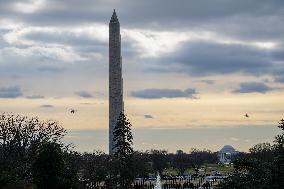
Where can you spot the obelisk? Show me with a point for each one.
(115, 77)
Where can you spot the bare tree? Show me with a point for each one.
(20, 137)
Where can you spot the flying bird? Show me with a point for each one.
(72, 111)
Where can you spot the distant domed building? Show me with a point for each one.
(226, 154)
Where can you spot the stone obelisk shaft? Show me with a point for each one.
(115, 77)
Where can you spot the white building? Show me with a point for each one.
(226, 154)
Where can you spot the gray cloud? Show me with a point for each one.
(164, 93)
(279, 74)
(200, 58)
(148, 116)
(235, 18)
(10, 92)
(279, 79)
(35, 97)
(253, 87)
(165, 11)
(82, 43)
(15, 76)
(68, 38)
(208, 81)
(84, 94)
(88, 103)
(47, 106)
(50, 68)
(53, 44)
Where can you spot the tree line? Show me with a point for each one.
(32, 155)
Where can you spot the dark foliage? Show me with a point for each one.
(160, 160)
(54, 168)
(20, 137)
(199, 157)
(31, 151)
(95, 168)
(262, 151)
(181, 162)
(249, 174)
(142, 164)
(278, 171)
(122, 163)
(72, 167)
(264, 169)
(48, 167)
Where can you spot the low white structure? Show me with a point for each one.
(226, 154)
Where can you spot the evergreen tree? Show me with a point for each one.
(123, 152)
(278, 174)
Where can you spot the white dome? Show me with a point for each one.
(227, 148)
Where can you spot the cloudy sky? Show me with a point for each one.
(191, 69)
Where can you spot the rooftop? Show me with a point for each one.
(227, 148)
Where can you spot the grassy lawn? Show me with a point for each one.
(223, 169)
(210, 169)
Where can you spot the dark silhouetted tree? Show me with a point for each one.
(159, 160)
(72, 168)
(20, 137)
(123, 152)
(260, 172)
(199, 157)
(141, 166)
(181, 162)
(48, 167)
(249, 174)
(95, 168)
(278, 174)
(262, 151)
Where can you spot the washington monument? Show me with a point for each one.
(115, 77)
